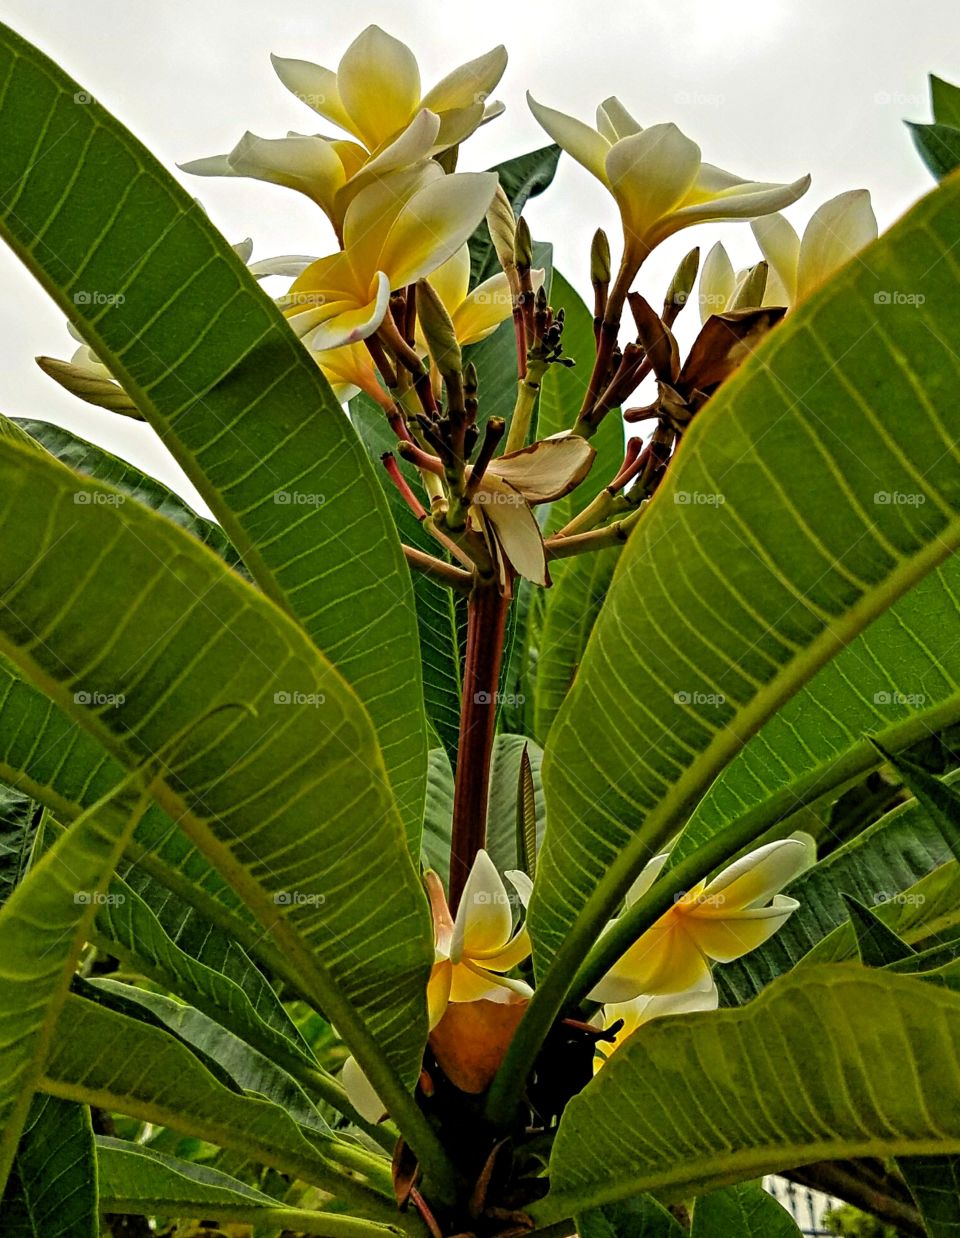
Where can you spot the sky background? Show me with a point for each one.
(769, 90)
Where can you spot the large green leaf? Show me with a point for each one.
(832, 1063)
(742, 1211)
(642, 1217)
(18, 823)
(768, 548)
(170, 308)
(142, 1181)
(285, 770)
(43, 926)
(52, 1190)
(897, 681)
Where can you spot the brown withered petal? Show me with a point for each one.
(471, 1039)
(546, 470)
(657, 340)
(724, 342)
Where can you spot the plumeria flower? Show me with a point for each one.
(716, 921)
(374, 94)
(393, 235)
(350, 369)
(722, 289)
(475, 950)
(329, 171)
(640, 1010)
(657, 176)
(511, 486)
(836, 232)
(475, 314)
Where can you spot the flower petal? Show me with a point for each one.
(360, 1092)
(717, 282)
(584, 144)
(307, 164)
(649, 174)
(451, 279)
(314, 86)
(522, 884)
(438, 991)
(483, 921)
(442, 920)
(725, 938)
(746, 201)
(665, 959)
(836, 231)
(648, 875)
(372, 212)
(547, 469)
(614, 121)
(283, 264)
(481, 311)
(510, 956)
(379, 85)
(434, 223)
(469, 83)
(780, 246)
(754, 878)
(351, 324)
(515, 528)
(414, 144)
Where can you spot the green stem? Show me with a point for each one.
(375, 1169)
(528, 388)
(296, 1220)
(577, 543)
(596, 510)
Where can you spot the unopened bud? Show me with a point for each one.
(502, 226)
(749, 291)
(438, 330)
(678, 294)
(600, 258)
(471, 380)
(523, 246)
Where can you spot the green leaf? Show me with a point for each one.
(43, 926)
(438, 816)
(876, 867)
(284, 765)
(830, 1063)
(745, 1210)
(52, 1190)
(93, 461)
(934, 1183)
(171, 310)
(945, 98)
(436, 605)
(18, 825)
(522, 178)
(733, 606)
(140, 1180)
(527, 835)
(877, 945)
(642, 1217)
(939, 799)
(116, 1062)
(897, 681)
(938, 146)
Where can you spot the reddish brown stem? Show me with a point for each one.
(486, 629)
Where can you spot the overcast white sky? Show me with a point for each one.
(769, 89)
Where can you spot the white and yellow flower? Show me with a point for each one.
(716, 921)
(375, 92)
(640, 1010)
(329, 171)
(475, 314)
(657, 176)
(837, 231)
(722, 289)
(393, 235)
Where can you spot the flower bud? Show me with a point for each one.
(600, 258)
(523, 246)
(502, 226)
(678, 294)
(438, 330)
(749, 291)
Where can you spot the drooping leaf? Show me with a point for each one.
(169, 307)
(829, 1063)
(527, 838)
(52, 1190)
(745, 1210)
(934, 1183)
(938, 798)
(288, 763)
(734, 603)
(877, 945)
